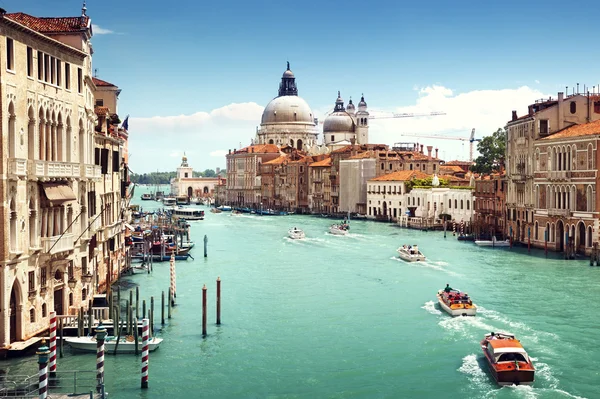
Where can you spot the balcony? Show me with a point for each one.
(112, 230)
(521, 141)
(57, 244)
(518, 177)
(17, 167)
(559, 175)
(45, 169)
(559, 212)
(90, 171)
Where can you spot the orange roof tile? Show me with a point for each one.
(363, 155)
(402, 175)
(259, 148)
(585, 129)
(453, 168)
(277, 161)
(99, 82)
(324, 162)
(453, 178)
(51, 25)
(458, 163)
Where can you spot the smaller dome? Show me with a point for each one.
(338, 122)
(362, 102)
(288, 74)
(350, 107)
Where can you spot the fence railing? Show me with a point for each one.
(64, 382)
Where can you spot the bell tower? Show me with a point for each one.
(362, 122)
(287, 87)
(184, 171)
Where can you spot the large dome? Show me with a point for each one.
(287, 109)
(338, 122)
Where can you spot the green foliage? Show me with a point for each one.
(153, 178)
(209, 173)
(491, 149)
(424, 183)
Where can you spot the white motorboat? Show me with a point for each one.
(492, 243)
(456, 303)
(296, 234)
(187, 213)
(338, 229)
(126, 344)
(410, 253)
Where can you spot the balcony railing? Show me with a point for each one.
(56, 244)
(47, 169)
(559, 212)
(559, 175)
(90, 171)
(112, 230)
(17, 166)
(521, 141)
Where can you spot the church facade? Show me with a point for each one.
(185, 184)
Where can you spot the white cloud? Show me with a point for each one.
(100, 31)
(207, 136)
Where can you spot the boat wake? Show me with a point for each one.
(430, 308)
(428, 265)
(467, 326)
(470, 367)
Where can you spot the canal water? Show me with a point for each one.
(342, 317)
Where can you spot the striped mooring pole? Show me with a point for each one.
(453, 228)
(100, 335)
(462, 227)
(52, 344)
(145, 351)
(172, 270)
(43, 353)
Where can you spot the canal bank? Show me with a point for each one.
(337, 316)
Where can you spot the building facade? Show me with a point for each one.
(185, 184)
(347, 124)
(490, 206)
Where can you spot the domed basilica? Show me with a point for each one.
(288, 120)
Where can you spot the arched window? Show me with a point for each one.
(13, 225)
(32, 154)
(70, 299)
(590, 157)
(32, 315)
(455, 204)
(271, 141)
(299, 145)
(574, 157)
(33, 233)
(589, 236)
(44, 310)
(590, 198)
(461, 204)
(573, 107)
(449, 203)
(468, 204)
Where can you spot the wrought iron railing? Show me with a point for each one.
(63, 382)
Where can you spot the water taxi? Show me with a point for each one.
(296, 234)
(147, 197)
(215, 210)
(507, 359)
(410, 253)
(187, 213)
(456, 303)
(169, 201)
(126, 344)
(339, 229)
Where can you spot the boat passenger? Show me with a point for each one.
(448, 288)
(493, 336)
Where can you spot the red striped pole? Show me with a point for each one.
(100, 335)
(52, 344)
(145, 351)
(43, 353)
(172, 295)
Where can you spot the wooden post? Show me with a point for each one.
(130, 298)
(119, 297)
(135, 335)
(60, 345)
(90, 318)
(143, 309)
(137, 302)
(162, 308)
(169, 304)
(204, 310)
(80, 322)
(117, 327)
(151, 314)
(126, 317)
(131, 320)
(205, 245)
(218, 300)
(110, 306)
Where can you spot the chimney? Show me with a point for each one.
(421, 148)
(429, 148)
(514, 115)
(436, 153)
(530, 110)
(230, 151)
(561, 112)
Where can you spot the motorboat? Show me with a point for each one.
(492, 243)
(215, 210)
(235, 212)
(410, 253)
(507, 360)
(225, 208)
(147, 197)
(169, 201)
(296, 234)
(339, 229)
(126, 344)
(466, 237)
(456, 303)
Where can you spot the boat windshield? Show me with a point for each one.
(511, 357)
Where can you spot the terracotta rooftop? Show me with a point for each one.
(277, 161)
(51, 25)
(402, 175)
(452, 178)
(363, 155)
(458, 163)
(452, 168)
(324, 162)
(259, 148)
(99, 82)
(585, 129)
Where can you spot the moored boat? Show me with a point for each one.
(296, 234)
(147, 197)
(507, 360)
(410, 253)
(236, 212)
(492, 243)
(215, 210)
(456, 303)
(126, 344)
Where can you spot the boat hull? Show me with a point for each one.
(411, 258)
(86, 344)
(489, 243)
(338, 232)
(296, 235)
(458, 311)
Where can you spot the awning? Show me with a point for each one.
(59, 192)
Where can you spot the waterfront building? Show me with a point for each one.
(386, 194)
(354, 174)
(345, 124)
(287, 119)
(49, 173)
(544, 118)
(565, 176)
(185, 184)
(319, 185)
(490, 205)
(408, 156)
(429, 206)
(243, 178)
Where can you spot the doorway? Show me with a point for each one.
(13, 308)
(58, 301)
(560, 236)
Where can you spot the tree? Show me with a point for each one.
(209, 173)
(491, 149)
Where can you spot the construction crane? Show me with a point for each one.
(394, 115)
(471, 139)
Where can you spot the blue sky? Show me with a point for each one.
(184, 57)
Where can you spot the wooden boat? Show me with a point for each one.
(507, 359)
(492, 243)
(147, 197)
(215, 210)
(456, 303)
(410, 253)
(339, 229)
(296, 234)
(126, 344)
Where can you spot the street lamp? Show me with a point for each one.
(72, 282)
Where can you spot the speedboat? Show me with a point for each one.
(456, 303)
(338, 229)
(126, 344)
(235, 212)
(410, 253)
(492, 243)
(507, 359)
(215, 210)
(296, 234)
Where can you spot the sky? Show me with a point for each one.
(196, 75)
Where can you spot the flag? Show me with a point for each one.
(125, 124)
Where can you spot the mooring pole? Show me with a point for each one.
(204, 310)
(43, 353)
(162, 308)
(205, 245)
(145, 353)
(52, 344)
(218, 300)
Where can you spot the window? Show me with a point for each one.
(40, 57)
(332, 138)
(573, 107)
(44, 310)
(67, 76)
(99, 103)
(43, 277)
(52, 69)
(382, 166)
(58, 68)
(46, 67)
(104, 160)
(29, 61)
(31, 281)
(544, 126)
(186, 174)
(10, 54)
(116, 161)
(84, 268)
(32, 315)
(71, 299)
(79, 80)
(83, 294)
(390, 166)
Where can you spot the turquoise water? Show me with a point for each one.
(341, 317)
